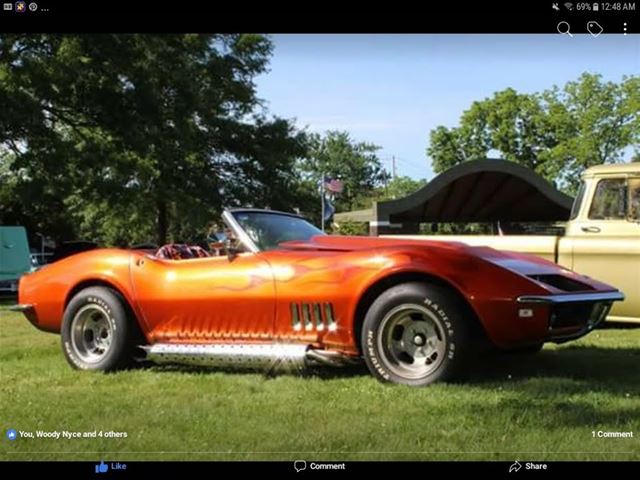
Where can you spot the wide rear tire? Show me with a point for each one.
(96, 331)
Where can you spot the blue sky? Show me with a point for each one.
(391, 90)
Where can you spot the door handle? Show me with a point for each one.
(591, 229)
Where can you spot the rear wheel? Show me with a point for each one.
(96, 331)
(416, 334)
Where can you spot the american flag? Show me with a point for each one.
(328, 210)
(333, 185)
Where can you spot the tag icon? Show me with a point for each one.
(594, 28)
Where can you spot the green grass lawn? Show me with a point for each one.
(542, 407)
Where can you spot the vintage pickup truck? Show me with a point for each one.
(602, 236)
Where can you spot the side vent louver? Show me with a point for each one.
(312, 316)
(328, 313)
(306, 315)
(295, 317)
(318, 317)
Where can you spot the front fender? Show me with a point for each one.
(490, 290)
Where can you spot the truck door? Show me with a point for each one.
(605, 240)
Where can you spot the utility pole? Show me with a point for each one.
(393, 166)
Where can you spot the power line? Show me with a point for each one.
(410, 163)
(397, 164)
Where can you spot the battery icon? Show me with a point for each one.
(595, 7)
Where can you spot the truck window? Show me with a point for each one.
(609, 200)
(634, 200)
(575, 208)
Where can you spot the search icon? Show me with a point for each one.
(563, 28)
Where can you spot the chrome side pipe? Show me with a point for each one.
(272, 356)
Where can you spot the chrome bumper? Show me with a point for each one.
(573, 315)
(573, 297)
(29, 311)
(24, 307)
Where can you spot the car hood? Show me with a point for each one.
(350, 243)
(519, 262)
(523, 264)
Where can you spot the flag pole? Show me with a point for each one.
(322, 198)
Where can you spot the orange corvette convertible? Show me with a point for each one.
(280, 292)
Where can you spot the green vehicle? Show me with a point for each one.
(15, 257)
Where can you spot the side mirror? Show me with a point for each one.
(216, 237)
(230, 247)
(221, 241)
(218, 241)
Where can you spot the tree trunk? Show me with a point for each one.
(162, 222)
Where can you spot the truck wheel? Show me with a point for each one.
(416, 334)
(96, 331)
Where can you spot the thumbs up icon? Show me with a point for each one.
(102, 467)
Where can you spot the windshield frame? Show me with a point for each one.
(576, 207)
(228, 217)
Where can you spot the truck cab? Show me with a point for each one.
(608, 202)
(602, 239)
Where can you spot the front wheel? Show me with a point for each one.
(96, 331)
(416, 334)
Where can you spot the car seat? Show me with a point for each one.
(180, 251)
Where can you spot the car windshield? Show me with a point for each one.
(268, 230)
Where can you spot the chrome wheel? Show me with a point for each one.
(91, 333)
(412, 341)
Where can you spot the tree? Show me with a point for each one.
(591, 122)
(558, 133)
(132, 136)
(337, 155)
(399, 187)
(470, 141)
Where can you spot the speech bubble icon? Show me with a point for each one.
(300, 465)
